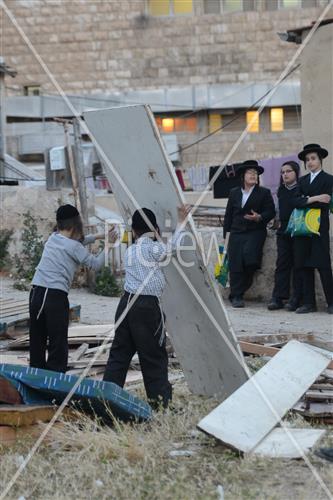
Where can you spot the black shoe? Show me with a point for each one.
(291, 306)
(330, 309)
(237, 302)
(307, 308)
(275, 304)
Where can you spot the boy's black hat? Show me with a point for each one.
(313, 148)
(249, 164)
(138, 222)
(66, 212)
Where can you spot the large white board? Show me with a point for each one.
(131, 142)
(244, 419)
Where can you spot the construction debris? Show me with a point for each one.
(251, 413)
(103, 399)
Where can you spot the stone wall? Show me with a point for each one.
(92, 45)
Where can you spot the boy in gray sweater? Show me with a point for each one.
(64, 251)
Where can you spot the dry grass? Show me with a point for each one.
(88, 461)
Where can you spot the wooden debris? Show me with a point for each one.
(8, 393)
(21, 415)
(244, 419)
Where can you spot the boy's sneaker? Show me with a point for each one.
(291, 306)
(237, 302)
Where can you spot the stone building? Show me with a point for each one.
(201, 64)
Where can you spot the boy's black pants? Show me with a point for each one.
(50, 330)
(141, 331)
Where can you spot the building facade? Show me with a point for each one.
(203, 65)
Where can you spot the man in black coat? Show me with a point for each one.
(248, 212)
(315, 191)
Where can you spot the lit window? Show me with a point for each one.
(215, 122)
(191, 124)
(277, 122)
(182, 6)
(169, 7)
(168, 125)
(252, 121)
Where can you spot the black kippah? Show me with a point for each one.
(66, 212)
(139, 223)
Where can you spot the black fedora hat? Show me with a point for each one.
(246, 165)
(313, 148)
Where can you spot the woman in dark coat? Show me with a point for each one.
(248, 212)
(315, 191)
(285, 243)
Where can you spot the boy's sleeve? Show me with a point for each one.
(161, 250)
(90, 238)
(87, 259)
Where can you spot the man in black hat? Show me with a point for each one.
(249, 209)
(315, 191)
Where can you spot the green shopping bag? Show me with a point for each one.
(304, 222)
(222, 267)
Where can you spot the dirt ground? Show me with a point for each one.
(133, 461)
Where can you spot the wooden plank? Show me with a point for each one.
(249, 414)
(211, 364)
(263, 350)
(8, 393)
(278, 444)
(314, 410)
(76, 355)
(89, 330)
(19, 415)
(319, 395)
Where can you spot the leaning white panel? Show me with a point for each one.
(251, 412)
(293, 443)
(129, 138)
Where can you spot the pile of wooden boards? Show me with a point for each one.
(14, 317)
(317, 402)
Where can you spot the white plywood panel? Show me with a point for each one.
(294, 444)
(129, 138)
(252, 411)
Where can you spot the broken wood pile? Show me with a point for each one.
(14, 317)
(317, 402)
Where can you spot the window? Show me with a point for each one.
(215, 122)
(169, 7)
(277, 120)
(31, 90)
(168, 124)
(252, 121)
(293, 4)
(219, 6)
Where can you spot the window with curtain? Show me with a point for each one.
(172, 124)
(252, 120)
(215, 122)
(277, 119)
(169, 7)
(220, 6)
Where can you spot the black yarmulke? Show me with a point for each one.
(139, 223)
(66, 212)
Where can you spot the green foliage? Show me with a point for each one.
(5, 235)
(106, 283)
(32, 249)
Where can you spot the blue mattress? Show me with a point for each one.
(103, 399)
